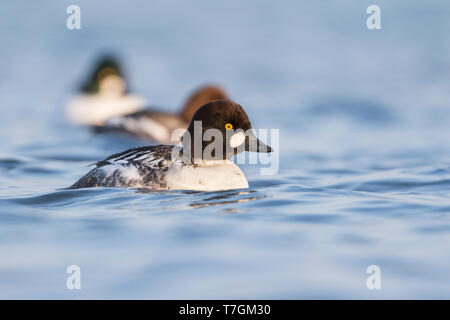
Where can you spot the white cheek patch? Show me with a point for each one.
(237, 139)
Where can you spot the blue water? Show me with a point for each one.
(364, 174)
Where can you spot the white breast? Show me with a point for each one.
(210, 176)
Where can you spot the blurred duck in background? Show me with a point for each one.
(104, 95)
(158, 126)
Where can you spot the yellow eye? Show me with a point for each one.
(228, 126)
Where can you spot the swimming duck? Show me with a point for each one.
(182, 167)
(156, 125)
(103, 96)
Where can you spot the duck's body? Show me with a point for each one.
(153, 168)
(103, 95)
(160, 126)
(192, 166)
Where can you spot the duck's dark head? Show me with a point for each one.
(219, 130)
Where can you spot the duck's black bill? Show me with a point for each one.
(253, 144)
